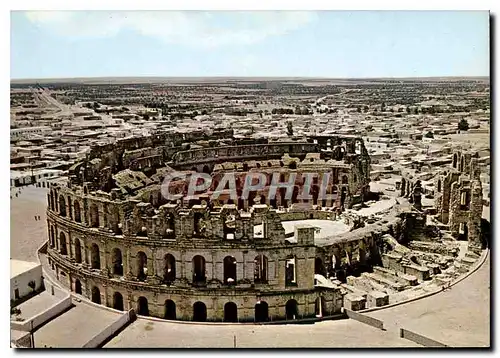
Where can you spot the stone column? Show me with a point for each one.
(85, 253)
(127, 268)
(152, 269)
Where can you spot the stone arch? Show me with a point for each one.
(170, 312)
(230, 312)
(95, 257)
(199, 272)
(260, 269)
(142, 306)
(118, 301)
(78, 287)
(142, 262)
(63, 249)
(169, 269)
(117, 262)
(199, 312)
(439, 186)
(455, 159)
(206, 169)
(230, 265)
(78, 214)
(291, 310)
(62, 206)
(78, 251)
(96, 295)
(261, 312)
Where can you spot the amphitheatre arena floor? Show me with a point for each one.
(458, 316)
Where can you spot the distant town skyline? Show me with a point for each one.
(324, 44)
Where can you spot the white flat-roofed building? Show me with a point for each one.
(25, 278)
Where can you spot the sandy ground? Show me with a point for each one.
(459, 316)
(26, 234)
(326, 227)
(342, 333)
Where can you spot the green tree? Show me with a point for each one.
(463, 125)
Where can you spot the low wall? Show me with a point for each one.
(417, 338)
(364, 319)
(45, 316)
(110, 330)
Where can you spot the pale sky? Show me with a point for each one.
(253, 43)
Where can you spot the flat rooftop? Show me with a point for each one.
(18, 267)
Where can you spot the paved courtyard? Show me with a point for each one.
(75, 327)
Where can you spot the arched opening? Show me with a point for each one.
(197, 223)
(292, 165)
(169, 269)
(118, 301)
(170, 310)
(229, 228)
(78, 287)
(117, 262)
(463, 232)
(63, 249)
(78, 251)
(199, 276)
(95, 257)
(96, 295)
(260, 270)
(319, 308)
(319, 268)
(142, 262)
(403, 187)
(62, 206)
(206, 169)
(261, 312)
(142, 306)
(230, 270)
(462, 164)
(170, 232)
(343, 195)
(455, 159)
(78, 214)
(290, 271)
(199, 312)
(94, 216)
(291, 309)
(230, 312)
(439, 186)
(344, 179)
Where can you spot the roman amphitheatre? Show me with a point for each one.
(115, 240)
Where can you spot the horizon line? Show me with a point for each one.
(247, 77)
